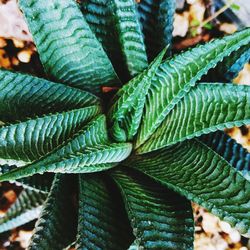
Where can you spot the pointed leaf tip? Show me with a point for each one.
(176, 76)
(125, 114)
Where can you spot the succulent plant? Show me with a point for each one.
(121, 174)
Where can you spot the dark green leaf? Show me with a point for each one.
(29, 140)
(229, 149)
(128, 29)
(55, 229)
(89, 151)
(68, 49)
(157, 18)
(27, 96)
(230, 67)
(26, 208)
(35, 182)
(176, 76)
(197, 172)
(117, 27)
(161, 219)
(126, 112)
(206, 108)
(102, 223)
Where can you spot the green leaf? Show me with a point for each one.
(102, 223)
(29, 140)
(26, 208)
(238, 64)
(116, 26)
(195, 22)
(230, 67)
(27, 96)
(55, 228)
(235, 6)
(230, 150)
(234, 64)
(88, 160)
(36, 182)
(201, 175)
(175, 77)
(161, 219)
(126, 112)
(208, 26)
(89, 151)
(128, 30)
(68, 49)
(206, 108)
(157, 17)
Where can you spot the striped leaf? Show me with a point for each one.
(68, 49)
(176, 76)
(26, 208)
(230, 67)
(157, 17)
(89, 151)
(126, 112)
(230, 150)
(201, 175)
(161, 219)
(128, 30)
(117, 27)
(55, 228)
(102, 223)
(27, 96)
(29, 140)
(206, 108)
(36, 182)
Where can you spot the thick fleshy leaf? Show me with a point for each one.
(126, 112)
(68, 49)
(128, 29)
(27, 96)
(89, 160)
(29, 140)
(89, 151)
(26, 208)
(197, 172)
(230, 150)
(206, 108)
(161, 219)
(55, 228)
(102, 223)
(117, 27)
(230, 67)
(178, 75)
(35, 182)
(157, 17)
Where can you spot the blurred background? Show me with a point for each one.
(196, 21)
